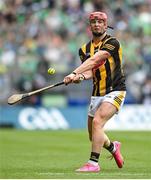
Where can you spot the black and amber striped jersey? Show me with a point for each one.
(109, 76)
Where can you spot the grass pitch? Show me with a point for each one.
(56, 155)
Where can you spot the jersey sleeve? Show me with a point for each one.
(82, 55)
(111, 46)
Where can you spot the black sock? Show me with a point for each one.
(110, 147)
(94, 156)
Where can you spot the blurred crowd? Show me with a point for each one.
(38, 34)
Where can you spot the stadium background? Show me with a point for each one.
(38, 34)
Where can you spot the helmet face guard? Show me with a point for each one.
(100, 16)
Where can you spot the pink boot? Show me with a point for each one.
(89, 168)
(117, 154)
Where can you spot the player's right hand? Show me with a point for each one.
(78, 78)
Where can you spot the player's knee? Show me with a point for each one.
(99, 121)
(96, 123)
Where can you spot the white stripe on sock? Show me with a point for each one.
(114, 149)
(93, 163)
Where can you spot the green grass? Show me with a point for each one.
(56, 154)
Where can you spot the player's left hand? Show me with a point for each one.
(69, 79)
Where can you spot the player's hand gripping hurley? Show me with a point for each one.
(18, 97)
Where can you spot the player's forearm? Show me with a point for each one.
(88, 74)
(93, 61)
